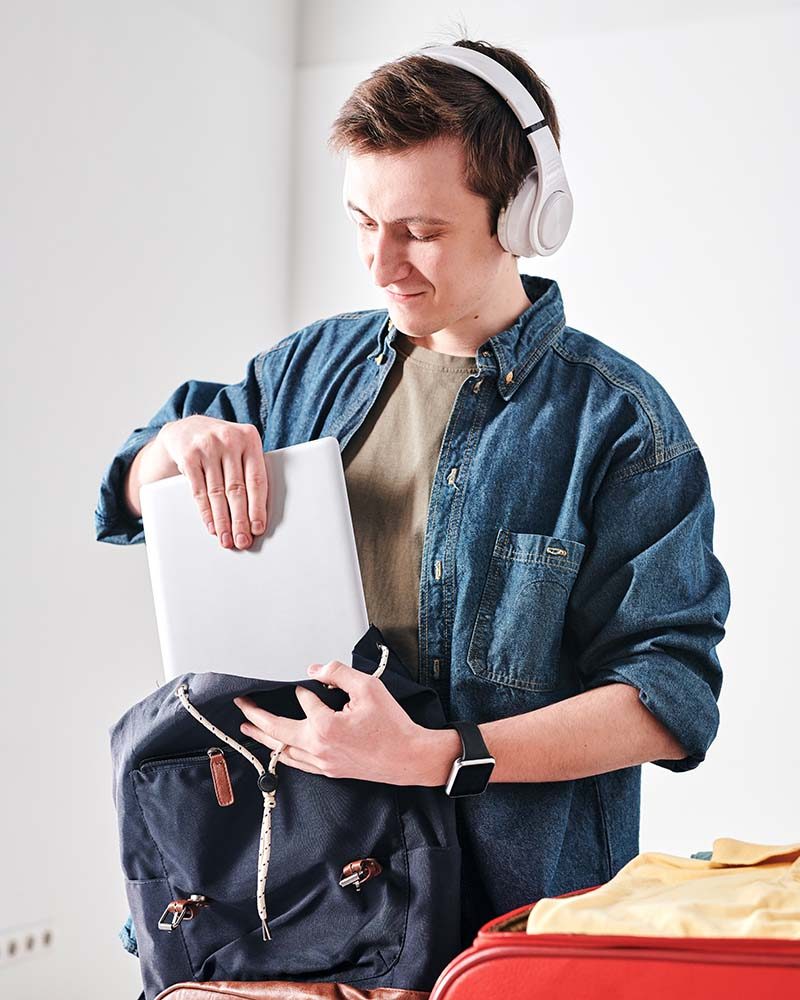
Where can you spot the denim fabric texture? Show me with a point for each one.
(127, 936)
(571, 519)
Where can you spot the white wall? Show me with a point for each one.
(680, 142)
(168, 208)
(143, 215)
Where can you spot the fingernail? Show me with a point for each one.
(210, 526)
(257, 526)
(313, 668)
(226, 538)
(241, 540)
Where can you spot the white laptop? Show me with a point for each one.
(292, 598)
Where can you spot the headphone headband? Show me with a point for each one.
(516, 95)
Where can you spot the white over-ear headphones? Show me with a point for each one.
(535, 222)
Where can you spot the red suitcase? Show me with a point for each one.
(506, 963)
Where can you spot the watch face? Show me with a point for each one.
(470, 778)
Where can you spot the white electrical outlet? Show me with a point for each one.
(25, 941)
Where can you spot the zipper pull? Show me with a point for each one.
(220, 776)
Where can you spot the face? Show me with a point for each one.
(422, 232)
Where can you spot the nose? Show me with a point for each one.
(387, 260)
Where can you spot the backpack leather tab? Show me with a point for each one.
(220, 776)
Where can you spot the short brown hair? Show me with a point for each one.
(416, 99)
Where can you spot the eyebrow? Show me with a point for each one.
(424, 220)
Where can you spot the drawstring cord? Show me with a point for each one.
(267, 783)
(267, 786)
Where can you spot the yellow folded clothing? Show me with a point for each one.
(744, 890)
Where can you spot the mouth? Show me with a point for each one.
(398, 297)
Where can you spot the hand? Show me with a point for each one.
(224, 462)
(371, 738)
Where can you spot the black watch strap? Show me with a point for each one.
(470, 772)
(472, 743)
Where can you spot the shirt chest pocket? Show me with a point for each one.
(516, 638)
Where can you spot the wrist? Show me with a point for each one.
(151, 462)
(156, 462)
(438, 748)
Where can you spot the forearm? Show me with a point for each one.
(150, 464)
(597, 731)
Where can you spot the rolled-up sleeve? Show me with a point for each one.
(651, 599)
(242, 402)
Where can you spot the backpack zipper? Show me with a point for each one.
(188, 756)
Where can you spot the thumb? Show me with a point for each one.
(336, 674)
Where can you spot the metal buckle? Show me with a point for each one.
(181, 909)
(356, 873)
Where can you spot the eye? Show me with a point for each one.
(417, 239)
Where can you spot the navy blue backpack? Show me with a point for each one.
(240, 869)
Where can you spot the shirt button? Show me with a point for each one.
(509, 378)
(486, 353)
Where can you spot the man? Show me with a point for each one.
(533, 518)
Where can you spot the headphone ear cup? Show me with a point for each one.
(502, 228)
(514, 220)
(555, 219)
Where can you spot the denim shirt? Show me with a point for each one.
(568, 545)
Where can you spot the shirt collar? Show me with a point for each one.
(509, 357)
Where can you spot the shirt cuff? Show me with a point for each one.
(113, 521)
(675, 695)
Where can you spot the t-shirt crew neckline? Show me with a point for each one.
(426, 358)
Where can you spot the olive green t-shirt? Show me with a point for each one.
(389, 465)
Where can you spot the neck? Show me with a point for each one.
(492, 315)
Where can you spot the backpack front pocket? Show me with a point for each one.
(517, 635)
(319, 928)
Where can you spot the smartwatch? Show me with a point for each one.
(471, 771)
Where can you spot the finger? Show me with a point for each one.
(314, 707)
(236, 495)
(313, 668)
(291, 731)
(291, 761)
(193, 470)
(342, 676)
(255, 477)
(289, 755)
(215, 487)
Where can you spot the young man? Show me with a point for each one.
(533, 518)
